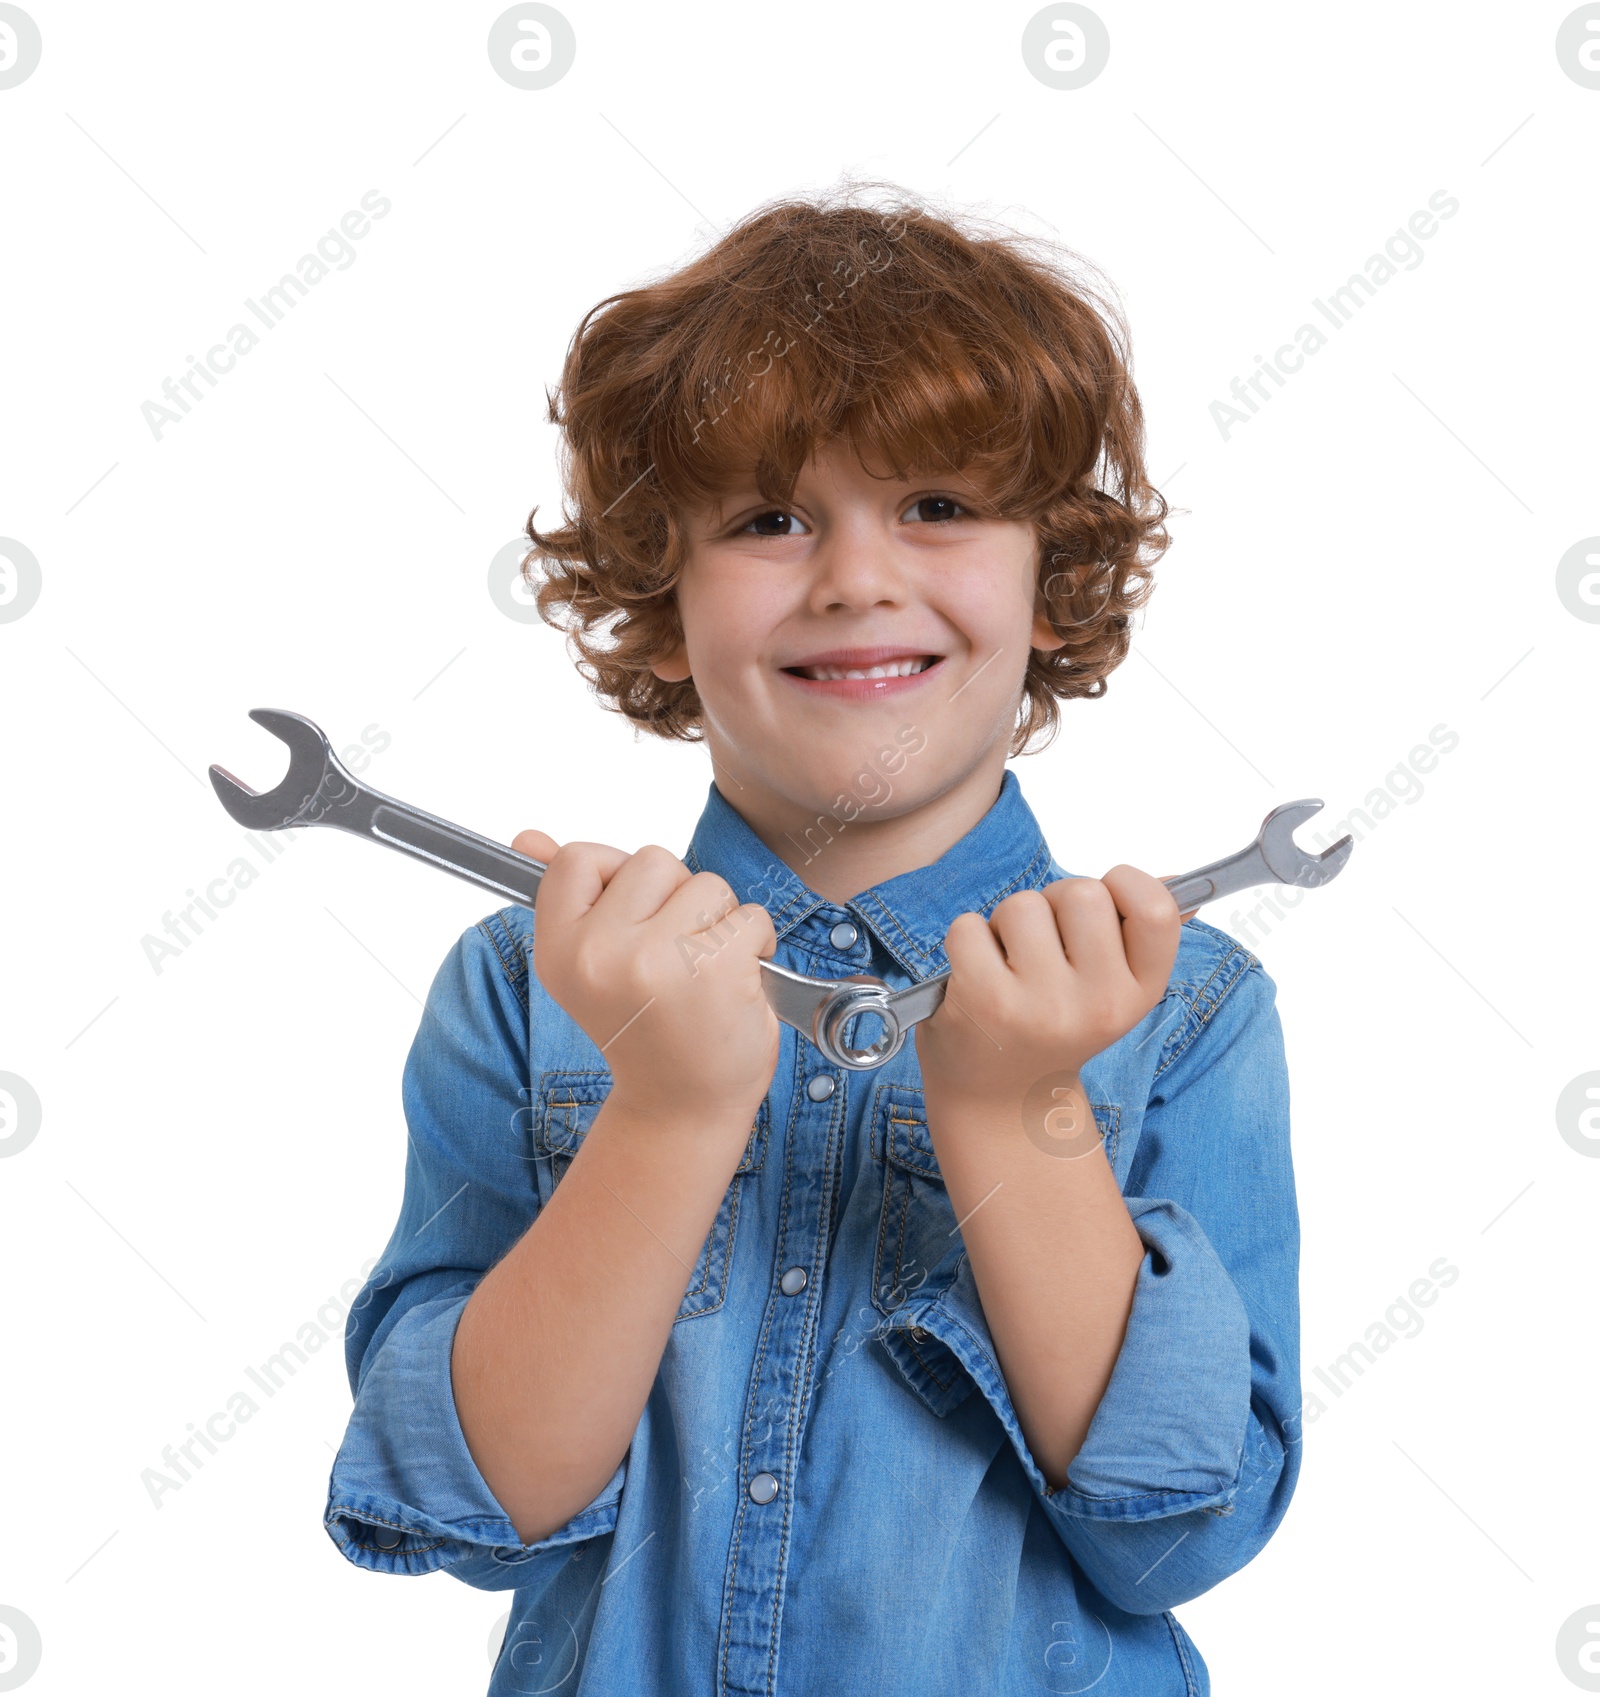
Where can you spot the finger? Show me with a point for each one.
(1150, 925)
(536, 845)
(974, 951)
(643, 883)
(749, 928)
(700, 903)
(1025, 923)
(1087, 918)
(706, 907)
(706, 922)
(577, 877)
(758, 929)
(1188, 912)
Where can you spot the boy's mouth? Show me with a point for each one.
(862, 673)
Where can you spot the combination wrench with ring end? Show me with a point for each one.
(319, 791)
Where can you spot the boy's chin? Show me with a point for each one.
(862, 789)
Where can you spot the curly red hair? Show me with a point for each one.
(923, 339)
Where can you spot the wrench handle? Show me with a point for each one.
(1191, 890)
(1194, 889)
(319, 791)
(480, 861)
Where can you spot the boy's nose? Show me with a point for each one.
(856, 568)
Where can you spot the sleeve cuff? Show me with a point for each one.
(406, 1496)
(1168, 1436)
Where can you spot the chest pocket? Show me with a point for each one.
(565, 1106)
(919, 1248)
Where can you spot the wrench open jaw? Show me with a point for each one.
(318, 791)
(1286, 860)
(1273, 858)
(310, 762)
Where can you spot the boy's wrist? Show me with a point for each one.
(1049, 1110)
(644, 1107)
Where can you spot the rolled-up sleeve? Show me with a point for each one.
(405, 1495)
(1193, 1453)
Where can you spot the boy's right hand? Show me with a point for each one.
(658, 965)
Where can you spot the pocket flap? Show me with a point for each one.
(569, 1102)
(908, 1144)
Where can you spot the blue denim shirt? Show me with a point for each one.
(913, 1546)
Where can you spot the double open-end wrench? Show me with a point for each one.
(319, 791)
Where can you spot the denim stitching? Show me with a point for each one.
(989, 1379)
(1190, 1687)
(927, 953)
(927, 1366)
(797, 898)
(1247, 963)
(562, 1158)
(343, 1509)
(906, 1157)
(518, 983)
(762, 1342)
(836, 1119)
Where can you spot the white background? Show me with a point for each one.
(1373, 555)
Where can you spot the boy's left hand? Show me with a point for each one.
(1055, 976)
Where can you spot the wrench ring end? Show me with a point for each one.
(839, 1009)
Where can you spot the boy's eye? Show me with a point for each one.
(946, 501)
(787, 524)
(758, 523)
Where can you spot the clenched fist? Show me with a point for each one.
(659, 966)
(1055, 976)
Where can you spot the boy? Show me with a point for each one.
(742, 1371)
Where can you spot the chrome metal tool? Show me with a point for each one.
(319, 791)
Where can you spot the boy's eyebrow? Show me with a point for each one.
(710, 513)
(717, 506)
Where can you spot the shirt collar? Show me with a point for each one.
(907, 914)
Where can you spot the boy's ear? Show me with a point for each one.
(1043, 634)
(672, 665)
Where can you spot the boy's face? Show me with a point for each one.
(866, 619)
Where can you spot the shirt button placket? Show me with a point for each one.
(775, 1417)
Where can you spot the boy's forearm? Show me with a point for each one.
(557, 1349)
(1055, 1256)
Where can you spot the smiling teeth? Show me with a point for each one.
(893, 669)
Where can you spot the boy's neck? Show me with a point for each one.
(840, 858)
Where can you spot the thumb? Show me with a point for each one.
(765, 936)
(1184, 917)
(536, 845)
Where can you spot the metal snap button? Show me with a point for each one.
(918, 1335)
(820, 1087)
(388, 1537)
(843, 935)
(794, 1281)
(763, 1488)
